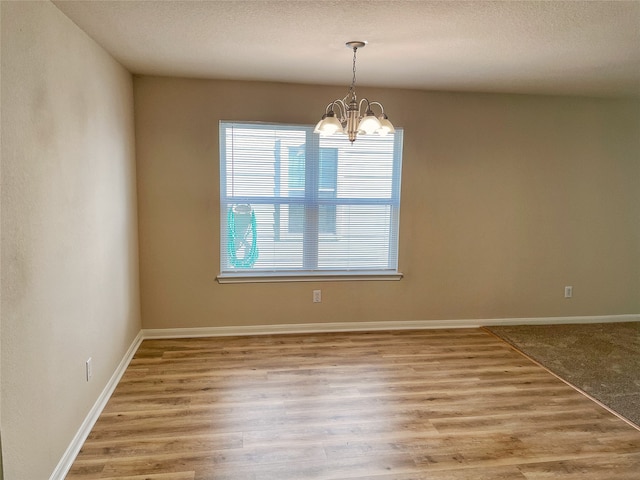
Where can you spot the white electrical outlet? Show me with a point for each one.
(568, 292)
(89, 369)
(317, 296)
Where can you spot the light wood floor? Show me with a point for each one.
(435, 404)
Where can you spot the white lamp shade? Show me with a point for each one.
(385, 126)
(329, 126)
(369, 124)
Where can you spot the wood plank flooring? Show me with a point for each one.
(405, 405)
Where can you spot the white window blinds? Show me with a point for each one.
(297, 204)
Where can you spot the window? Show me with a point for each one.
(298, 206)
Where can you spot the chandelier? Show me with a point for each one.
(352, 117)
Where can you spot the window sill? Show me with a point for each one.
(318, 277)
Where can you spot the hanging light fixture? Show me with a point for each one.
(352, 117)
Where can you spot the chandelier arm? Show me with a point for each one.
(341, 107)
(349, 97)
(378, 104)
(368, 103)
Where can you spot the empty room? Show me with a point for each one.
(291, 240)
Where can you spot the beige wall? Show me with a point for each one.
(505, 200)
(69, 234)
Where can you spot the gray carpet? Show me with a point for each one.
(601, 359)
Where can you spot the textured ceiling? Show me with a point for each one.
(554, 47)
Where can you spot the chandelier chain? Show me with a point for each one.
(352, 89)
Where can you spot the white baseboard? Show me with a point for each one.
(561, 320)
(64, 465)
(372, 326)
(303, 328)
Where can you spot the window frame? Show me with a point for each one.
(308, 273)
